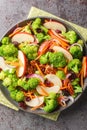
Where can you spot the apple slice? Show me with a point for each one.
(21, 69)
(55, 88)
(54, 79)
(5, 66)
(55, 26)
(22, 37)
(35, 101)
(65, 52)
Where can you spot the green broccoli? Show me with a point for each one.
(41, 37)
(11, 88)
(19, 96)
(76, 52)
(5, 40)
(29, 50)
(80, 42)
(10, 78)
(27, 29)
(33, 82)
(28, 84)
(42, 33)
(71, 36)
(8, 50)
(44, 59)
(50, 102)
(2, 75)
(57, 59)
(77, 89)
(61, 74)
(13, 94)
(7, 81)
(36, 24)
(75, 65)
(75, 82)
(23, 83)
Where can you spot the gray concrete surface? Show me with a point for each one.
(74, 118)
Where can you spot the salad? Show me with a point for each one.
(42, 65)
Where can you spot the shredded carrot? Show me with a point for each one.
(63, 43)
(70, 89)
(13, 63)
(60, 101)
(29, 94)
(66, 70)
(39, 70)
(44, 93)
(15, 32)
(82, 71)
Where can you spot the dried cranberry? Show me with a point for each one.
(58, 31)
(28, 99)
(15, 43)
(22, 105)
(48, 83)
(39, 30)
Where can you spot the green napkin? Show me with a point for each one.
(33, 13)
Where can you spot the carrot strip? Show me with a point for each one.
(13, 63)
(29, 94)
(15, 32)
(66, 70)
(44, 92)
(82, 72)
(39, 70)
(63, 43)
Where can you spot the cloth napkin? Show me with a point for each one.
(35, 12)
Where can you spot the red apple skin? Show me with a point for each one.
(24, 65)
(19, 33)
(56, 24)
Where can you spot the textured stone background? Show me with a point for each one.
(75, 118)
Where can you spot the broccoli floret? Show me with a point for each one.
(75, 82)
(2, 75)
(50, 102)
(76, 52)
(11, 88)
(5, 40)
(75, 65)
(41, 37)
(57, 59)
(44, 59)
(19, 96)
(7, 81)
(36, 24)
(10, 79)
(28, 84)
(61, 74)
(8, 51)
(13, 94)
(27, 29)
(42, 33)
(23, 83)
(33, 82)
(29, 50)
(80, 42)
(77, 89)
(71, 36)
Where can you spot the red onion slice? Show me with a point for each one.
(35, 76)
